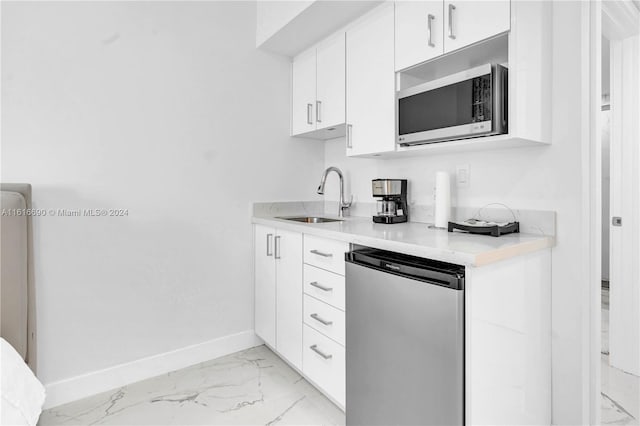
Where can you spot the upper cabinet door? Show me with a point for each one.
(303, 99)
(419, 32)
(467, 22)
(371, 84)
(330, 74)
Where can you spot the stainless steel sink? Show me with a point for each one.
(310, 219)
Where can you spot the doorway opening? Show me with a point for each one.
(620, 271)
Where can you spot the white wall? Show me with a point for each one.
(273, 15)
(544, 178)
(165, 109)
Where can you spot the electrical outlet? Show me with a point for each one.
(463, 177)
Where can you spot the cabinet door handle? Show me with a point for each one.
(452, 36)
(277, 247)
(269, 240)
(319, 253)
(430, 19)
(318, 111)
(309, 113)
(316, 284)
(319, 352)
(320, 319)
(349, 141)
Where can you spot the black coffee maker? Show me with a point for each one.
(392, 204)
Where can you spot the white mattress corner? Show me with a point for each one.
(22, 393)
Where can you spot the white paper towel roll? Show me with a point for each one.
(442, 200)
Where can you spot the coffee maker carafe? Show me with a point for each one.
(392, 200)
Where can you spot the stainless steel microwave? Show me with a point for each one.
(464, 105)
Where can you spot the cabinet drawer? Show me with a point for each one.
(324, 318)
(324, 253)
(323, 362)
(324, 285)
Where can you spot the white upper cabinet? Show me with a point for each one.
(419, 32)
(514, 34)
(371, 84)
(467, 22)
(318, 103)
(330, 83)
(304, 93)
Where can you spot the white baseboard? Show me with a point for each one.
(85, 385)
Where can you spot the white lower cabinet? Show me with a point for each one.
(324, 335)
(300, 314)
(324, 363)
(299, 305)
(278, 291)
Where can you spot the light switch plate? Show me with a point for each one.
(462, 176)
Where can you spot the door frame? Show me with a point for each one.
(622, 17)
(624, 300)
(592, 202)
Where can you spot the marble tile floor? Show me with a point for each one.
(620, 391)
(252, 387)
(620, 395)
(255, 387)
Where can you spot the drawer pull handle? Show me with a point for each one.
(319, 253)
(320, 319)
(320, 286)
(319, 352)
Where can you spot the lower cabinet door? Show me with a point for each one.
(265, 283)
(288, 255)
(324, 364)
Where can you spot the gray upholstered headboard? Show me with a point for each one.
(17, 289)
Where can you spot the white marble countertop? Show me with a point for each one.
(418, 239)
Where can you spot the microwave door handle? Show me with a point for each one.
(504, 100)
